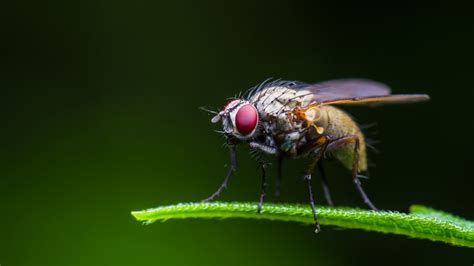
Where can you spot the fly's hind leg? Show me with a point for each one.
(347, 140)
(230, 172)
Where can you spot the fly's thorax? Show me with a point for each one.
(274, 105)
(296, 131)
(276, 100)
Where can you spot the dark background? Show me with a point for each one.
(99, 113)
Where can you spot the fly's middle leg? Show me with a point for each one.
(324, 182)
(317, 157)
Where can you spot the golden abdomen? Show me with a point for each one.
(341, 124)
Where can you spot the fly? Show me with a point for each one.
(292, 119)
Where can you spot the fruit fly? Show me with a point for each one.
(291, 119)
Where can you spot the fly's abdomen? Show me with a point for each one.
(341, 124)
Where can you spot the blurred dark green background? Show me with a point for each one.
(99, 113)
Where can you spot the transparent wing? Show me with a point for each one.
(357, 91)
(332, 90)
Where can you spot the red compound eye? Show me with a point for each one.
(246, 119)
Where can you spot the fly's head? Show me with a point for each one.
(239, 119)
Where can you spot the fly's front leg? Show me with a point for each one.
(230, 172)
(307, 177)
(347, 140)
(268, 149)
(263, 166)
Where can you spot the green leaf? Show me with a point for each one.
(422, 222)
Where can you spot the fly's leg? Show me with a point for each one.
(311, 201)
(352, 139)
(263, 188)
(307, 177)
(278, 178)
(268, 149)
(324, 183)
(230, 172)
